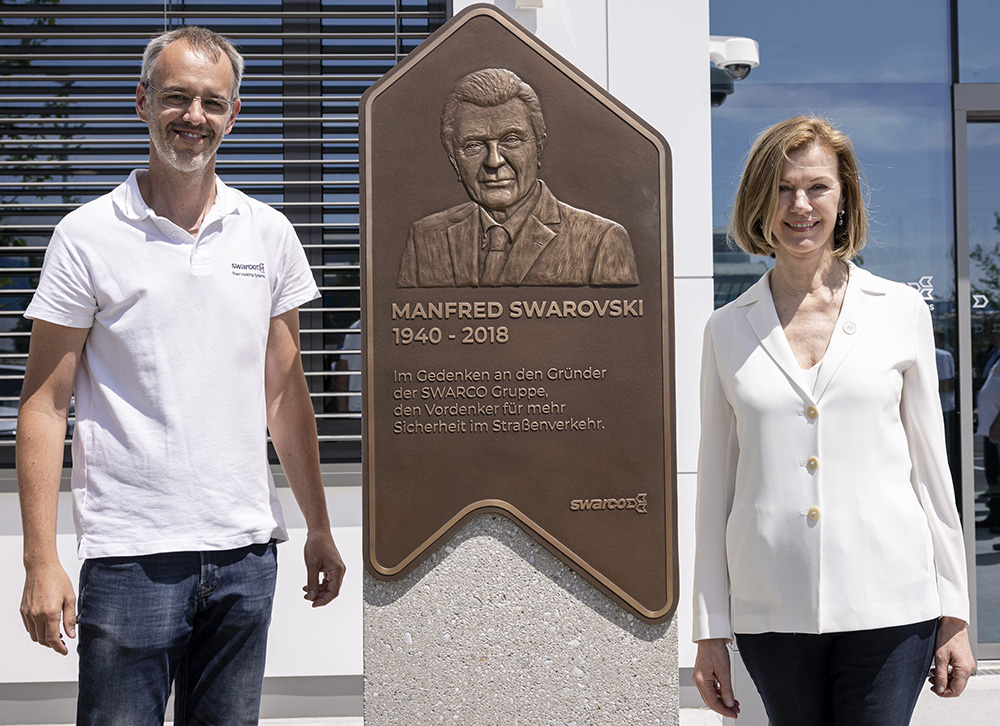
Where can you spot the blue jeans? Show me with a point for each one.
(854, 678)
(195, 619)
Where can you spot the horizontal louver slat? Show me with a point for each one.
(68, 134)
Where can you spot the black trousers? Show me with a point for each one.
(855, 678)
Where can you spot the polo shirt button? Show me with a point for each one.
(812, 413)
(812, 463)
(813, 513)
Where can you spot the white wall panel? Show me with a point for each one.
(302, 641)
(576, 30)
(658, 66)
(686, 490)
(689, 325)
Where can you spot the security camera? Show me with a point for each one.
(722, 86)
(736, 56)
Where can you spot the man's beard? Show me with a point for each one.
(181, 160)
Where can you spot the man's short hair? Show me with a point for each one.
(486, 88)
(201, 40)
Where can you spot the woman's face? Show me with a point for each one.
(809, 200)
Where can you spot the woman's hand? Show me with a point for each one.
(953, 661)
(712, 676)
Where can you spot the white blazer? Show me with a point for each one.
(830, 508)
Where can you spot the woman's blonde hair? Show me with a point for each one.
(757, 196)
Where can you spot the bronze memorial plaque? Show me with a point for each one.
(516, 283)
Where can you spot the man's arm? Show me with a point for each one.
(41, 430)
(292, 423)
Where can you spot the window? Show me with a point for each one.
(69, 133)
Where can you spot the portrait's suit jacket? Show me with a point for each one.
(557, 245)
(830, 508)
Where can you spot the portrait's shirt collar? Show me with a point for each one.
(517, 215)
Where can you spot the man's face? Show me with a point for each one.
(495, 153)
(187, 138)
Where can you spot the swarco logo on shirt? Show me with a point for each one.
(251, 270)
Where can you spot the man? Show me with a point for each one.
(345, 364)
(171, 305)
(514, 231)
(986, 384)
(946, 390)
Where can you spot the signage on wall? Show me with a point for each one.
(517, 320)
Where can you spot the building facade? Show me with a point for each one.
(911, 82)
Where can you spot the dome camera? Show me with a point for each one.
(722, 86)
(735, 55)
(738, 71)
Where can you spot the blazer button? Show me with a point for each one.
(813, 513)
(812, 463)
(812, 412)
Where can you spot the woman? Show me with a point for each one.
(827, 536)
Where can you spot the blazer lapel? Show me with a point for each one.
(463, 241)
(860, 299)
(540, 228)
(764, 320)
(531, 240)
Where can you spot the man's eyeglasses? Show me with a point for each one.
(176, 99)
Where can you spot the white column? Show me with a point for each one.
(491, 628)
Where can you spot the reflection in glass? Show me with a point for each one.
(903, 139)
(858, 41)
(984, 281)
(891, 93)
(978, 60)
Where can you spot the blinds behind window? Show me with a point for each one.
(69, 133)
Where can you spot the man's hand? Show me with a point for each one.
(953, 661)
(53, 356)
(712, 676)
(322, 556)
(48, 601)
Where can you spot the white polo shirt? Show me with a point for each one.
(988, 401)
(170, 445)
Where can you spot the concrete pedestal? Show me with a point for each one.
(492, 630)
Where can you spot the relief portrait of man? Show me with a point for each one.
(513, 231)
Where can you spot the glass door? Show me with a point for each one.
(977, 162)
(984, 283)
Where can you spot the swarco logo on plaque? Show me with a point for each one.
(636, 504)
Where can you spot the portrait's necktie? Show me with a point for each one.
(496, 255)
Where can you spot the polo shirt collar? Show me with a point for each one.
(128, 199)
(227, 201)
